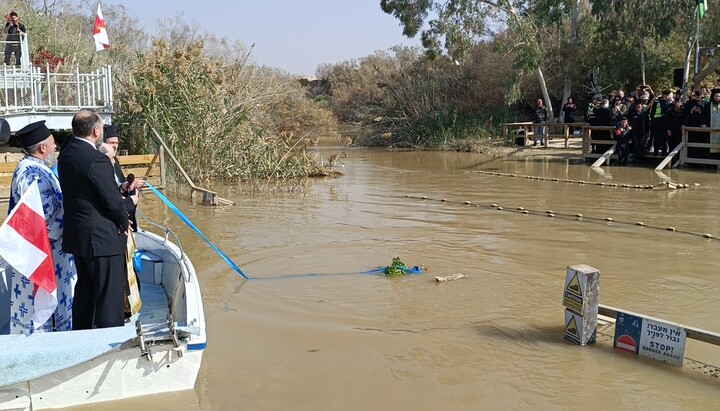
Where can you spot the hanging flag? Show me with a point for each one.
(702, 7)
(25, 245)
(100, 33)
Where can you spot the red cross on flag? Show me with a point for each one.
(25, 245)
(100, 33)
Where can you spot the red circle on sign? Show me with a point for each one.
(626, 343)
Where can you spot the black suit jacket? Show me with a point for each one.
(96, 216)
(117, 169)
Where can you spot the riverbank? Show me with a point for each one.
(555, 149)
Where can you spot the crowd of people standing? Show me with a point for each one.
(645, 122)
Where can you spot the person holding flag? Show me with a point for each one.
(34, 171)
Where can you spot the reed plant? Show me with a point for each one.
(229, 120)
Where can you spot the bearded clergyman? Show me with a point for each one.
(39, 146)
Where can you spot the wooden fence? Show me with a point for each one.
(511, 131)
(685, 158)
(684, 152)
(149, 167)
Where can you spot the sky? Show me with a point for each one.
(293, 35)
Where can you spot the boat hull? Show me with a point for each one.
(68, 376)
(116, 375)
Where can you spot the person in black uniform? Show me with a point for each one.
(639, 125)
(693, 117)
(96, 226)
(674, 122)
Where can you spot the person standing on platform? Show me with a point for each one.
(540, 118)
(14, 30)
(711, 114)
(96, 222)
(674, 122)
(569, 110)
(39, 147)
(602, 118)
(693, 117)
(639, 126)
(658, 128)
(622, 136)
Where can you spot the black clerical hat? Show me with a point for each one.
(109, 131)
(33, 133)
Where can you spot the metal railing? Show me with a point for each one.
(39, 89)
(28, 88)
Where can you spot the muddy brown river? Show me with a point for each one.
(309, 332)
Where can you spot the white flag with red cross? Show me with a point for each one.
(102, 42)
(25, 245)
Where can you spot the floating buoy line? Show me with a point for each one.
(573, 217)
(664, 185)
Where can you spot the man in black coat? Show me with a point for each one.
(96, 226)
(693, 116)
(602, 118)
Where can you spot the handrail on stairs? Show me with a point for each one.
(209, 197)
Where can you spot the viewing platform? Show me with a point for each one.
(30, 93)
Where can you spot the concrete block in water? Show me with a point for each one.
(581, 298)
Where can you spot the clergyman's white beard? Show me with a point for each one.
(51, 159)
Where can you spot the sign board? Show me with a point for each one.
(582, 289)
(650, 338)
(574, 291)
(663, 342)
(627, 333)
(576, 330)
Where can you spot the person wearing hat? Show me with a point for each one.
(110, 136)
(39, 147)
(96, 222)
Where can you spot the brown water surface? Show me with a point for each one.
(286, 340)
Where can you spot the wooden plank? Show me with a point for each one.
(669, 157)
(5, 181)
(137, 159)
(692, 332)
(140, 172)
(605, 157)
(8, 167)
(702, 161)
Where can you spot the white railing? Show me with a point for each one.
(27, 88)
(40, 90)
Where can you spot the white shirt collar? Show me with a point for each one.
(87, 141)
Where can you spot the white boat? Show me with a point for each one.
(159, 350)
